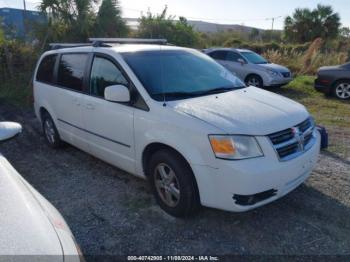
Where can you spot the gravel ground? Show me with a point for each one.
(113, 213)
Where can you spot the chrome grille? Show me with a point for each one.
(294, 141)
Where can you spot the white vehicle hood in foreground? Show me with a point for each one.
(247, 111)
(24, 227)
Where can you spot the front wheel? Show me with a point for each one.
(173, 184)
(341, 90)
(254, 80)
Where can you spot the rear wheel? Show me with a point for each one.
(50, 131)
(341, 89)
(173, 184)
(254, 80)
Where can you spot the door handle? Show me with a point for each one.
(90, 106)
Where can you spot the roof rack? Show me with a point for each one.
(100, 42)
(96, 42)
(54, 46)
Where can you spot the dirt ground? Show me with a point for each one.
(111, 212)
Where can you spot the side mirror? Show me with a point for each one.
(9, 130)
(241, 61)
(117, 93)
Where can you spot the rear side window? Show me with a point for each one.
(46, 69)
(71, 71)
(233, 57)
(218, 55)
(104, 73)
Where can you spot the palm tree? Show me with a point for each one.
(306, 25)
(109, 22)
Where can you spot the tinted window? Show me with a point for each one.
(46, 69)
(219, 55)
(233, 57)
(104, 73)
(71, 71)
(179, 73)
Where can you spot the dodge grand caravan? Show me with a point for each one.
(176, 117)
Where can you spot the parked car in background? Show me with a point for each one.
(250, 67)
(176, 117)
(334, 80)
(29, 224)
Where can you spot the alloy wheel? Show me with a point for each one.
(252, 81)
(167, 184)
(342, 91)
(49, 131)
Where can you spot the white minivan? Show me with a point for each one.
(176, 117)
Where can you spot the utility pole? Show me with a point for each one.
(273, 21)
(24, 20)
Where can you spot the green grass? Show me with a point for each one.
(327, 111)
(18, 90)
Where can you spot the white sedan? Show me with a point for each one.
(29, 224)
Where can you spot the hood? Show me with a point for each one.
(247, 111)
(24, 227)
(329, 68)
(275, 67)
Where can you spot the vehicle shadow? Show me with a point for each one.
(336, 157)
(288, 92)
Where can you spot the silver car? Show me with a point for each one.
(250, 67)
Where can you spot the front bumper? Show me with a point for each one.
(219, 187)
(270, 82)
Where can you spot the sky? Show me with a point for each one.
(255, 13)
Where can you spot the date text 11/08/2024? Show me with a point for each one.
(173, 258)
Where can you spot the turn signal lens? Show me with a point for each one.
(222, 145)
(235, 147)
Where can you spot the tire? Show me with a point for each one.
(50, 132)
(341, 89)
(254, 80)
(173, 184)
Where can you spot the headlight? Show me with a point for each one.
(235, 147)
(272, 72)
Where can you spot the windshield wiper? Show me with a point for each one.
(176, 94)
(199, 93)
(218, 90)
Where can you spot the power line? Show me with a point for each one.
(212, 19)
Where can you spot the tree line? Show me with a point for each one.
(77, 20)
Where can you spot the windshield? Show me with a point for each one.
(180, 74)
(254, 58)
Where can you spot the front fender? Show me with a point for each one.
(185, 134)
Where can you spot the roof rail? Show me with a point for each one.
(54, 46)
(99, 42)
(96, 42)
